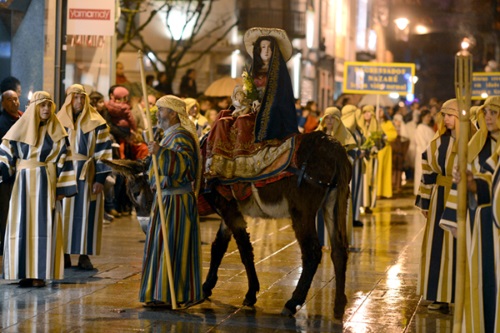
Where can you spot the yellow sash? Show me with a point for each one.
(88, 170)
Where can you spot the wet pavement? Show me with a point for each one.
(380, 287)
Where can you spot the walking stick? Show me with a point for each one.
(463, 91)
(158, 187)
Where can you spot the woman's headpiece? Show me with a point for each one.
(26, 128)
(450, 107)
(279, 35)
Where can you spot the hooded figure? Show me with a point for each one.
(437, 264)
(276, 118)
(193, 111)
(337, 128)
(35, 150)
(90, 142)
(368, 123)
(331, 124)
(399, 150)
(350, 115)
(482, 235)
(234, 142)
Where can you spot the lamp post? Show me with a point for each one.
(403, 28)
(463, 91)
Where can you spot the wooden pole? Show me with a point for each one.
(158, 187)
(463, 91)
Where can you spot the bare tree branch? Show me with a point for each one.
(196, 13)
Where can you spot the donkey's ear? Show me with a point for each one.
(126, 168)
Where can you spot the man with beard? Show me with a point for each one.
(8, 117)
(179, 168)
(90, 143)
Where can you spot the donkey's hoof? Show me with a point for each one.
(286, 312)
(207, 292)
(290, 308)
(338, 313)
(249, 301)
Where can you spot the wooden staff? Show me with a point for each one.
(158, 187)
(463, 91)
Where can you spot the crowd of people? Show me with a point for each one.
(60, 154)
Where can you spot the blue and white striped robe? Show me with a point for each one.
(480, 278)
(34, 240)
(83, 214)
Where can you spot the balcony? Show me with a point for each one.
(288, 15)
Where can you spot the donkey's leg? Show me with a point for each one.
(245, 248)
(305, 231)
(219, 248)
(335, 214)
(236, 224)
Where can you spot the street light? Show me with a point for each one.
(403, 28)
(421, 29)
(468, 42)
(402, 23)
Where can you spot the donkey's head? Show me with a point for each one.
(138, 189)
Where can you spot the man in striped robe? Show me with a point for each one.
(179, 166)
(90, 143)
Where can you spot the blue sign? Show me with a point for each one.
(378, 78)
(485, 85)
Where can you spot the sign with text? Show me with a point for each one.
(485, 85)
(378, 78)
(91, 17)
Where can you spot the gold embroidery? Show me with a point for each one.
(249, 166)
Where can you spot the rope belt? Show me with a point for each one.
(445, 181)
(51, 174)
(88, 170)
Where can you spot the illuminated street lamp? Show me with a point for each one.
(403, 28)
(421, 29)
(402, 23)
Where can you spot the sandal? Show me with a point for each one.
(434, 306)
(67, 260)
(189, 304)
(38, 283)
(157, 304)
(26, 283)
(84, 263)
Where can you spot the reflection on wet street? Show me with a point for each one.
(381, 285)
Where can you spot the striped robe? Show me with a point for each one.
(83, 214)
(480, 277)
(34, 240)
(437, 265)
(357, 175)
(494, 161)
(177, 163)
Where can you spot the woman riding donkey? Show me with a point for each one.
(270, 118)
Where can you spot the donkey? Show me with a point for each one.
(319, 179)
